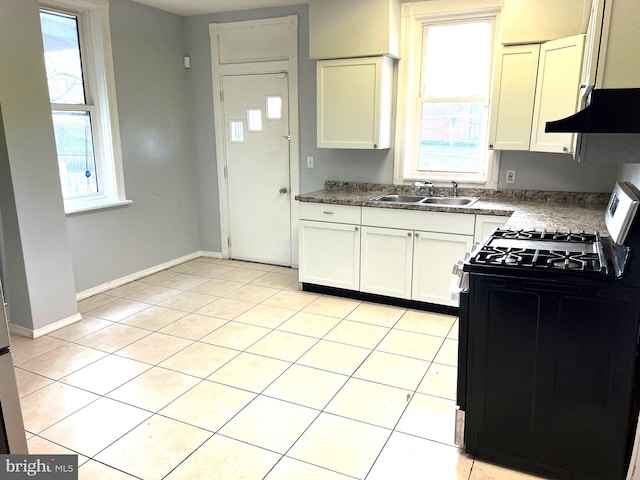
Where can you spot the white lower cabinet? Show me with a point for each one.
(410, 254)
(330, 254)
(434, 255)
(486, 224)
(397, 253)
(410, 264)
(386, 261)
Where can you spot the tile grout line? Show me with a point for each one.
(245, 350)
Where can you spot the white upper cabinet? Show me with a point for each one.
(536, 84)
(619, 56)
(354, 102)
(557, 92)
(514, 93)
(592, 47)
(612, 60)
(354, 28)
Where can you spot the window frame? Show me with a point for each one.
(415, 17)
(100, 101)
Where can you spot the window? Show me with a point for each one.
(443, 119)
(76, 42)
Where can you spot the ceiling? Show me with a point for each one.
(197, 7)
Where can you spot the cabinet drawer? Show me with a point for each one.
(327, 212)
(461, 223)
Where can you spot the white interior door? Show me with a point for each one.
(256, 125)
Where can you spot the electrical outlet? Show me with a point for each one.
(309, 162)
(511, 176)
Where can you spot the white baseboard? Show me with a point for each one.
(143, 273)
(211, 254)
(38, 332)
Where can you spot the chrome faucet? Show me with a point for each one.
(417, 186)
(455, 188)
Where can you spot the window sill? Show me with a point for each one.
(91, 206)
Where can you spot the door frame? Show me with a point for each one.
(284, 59)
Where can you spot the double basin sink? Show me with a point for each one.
(425, 200)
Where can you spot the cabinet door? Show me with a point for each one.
(557, 92)
(619, 57)
(354, 103)
(330, 254)
(387, 256)
(485, 224)
(592, 53)
(434, 256)
(514, 91)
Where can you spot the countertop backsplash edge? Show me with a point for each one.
(488, 194)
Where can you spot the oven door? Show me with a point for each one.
(460, 290)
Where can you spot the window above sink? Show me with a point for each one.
(443, 100)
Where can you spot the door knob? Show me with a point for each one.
(283, 190)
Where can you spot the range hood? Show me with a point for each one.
(611, 110)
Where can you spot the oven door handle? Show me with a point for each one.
(459, 282)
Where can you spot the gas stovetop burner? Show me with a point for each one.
(545, 235)
(573, 261)
(532, 258)
(503, 255)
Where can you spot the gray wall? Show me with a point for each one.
(159, 165)
(38, 275)
(554, 171)
(12, 267)
(630, 173)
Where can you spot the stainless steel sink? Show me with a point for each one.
(456, 201)
(400, 198)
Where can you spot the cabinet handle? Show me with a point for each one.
(565, 149)
(408, 234)
(491, 146)
(417, 235)
(357, 228)
(328, 213)
(375, 145)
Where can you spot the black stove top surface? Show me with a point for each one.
(546, 235)
(537, 258)
(543, 254)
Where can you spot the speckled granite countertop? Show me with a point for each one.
(527, 209)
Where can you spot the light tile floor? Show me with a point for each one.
(219, 369)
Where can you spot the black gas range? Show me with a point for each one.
(549, 323)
